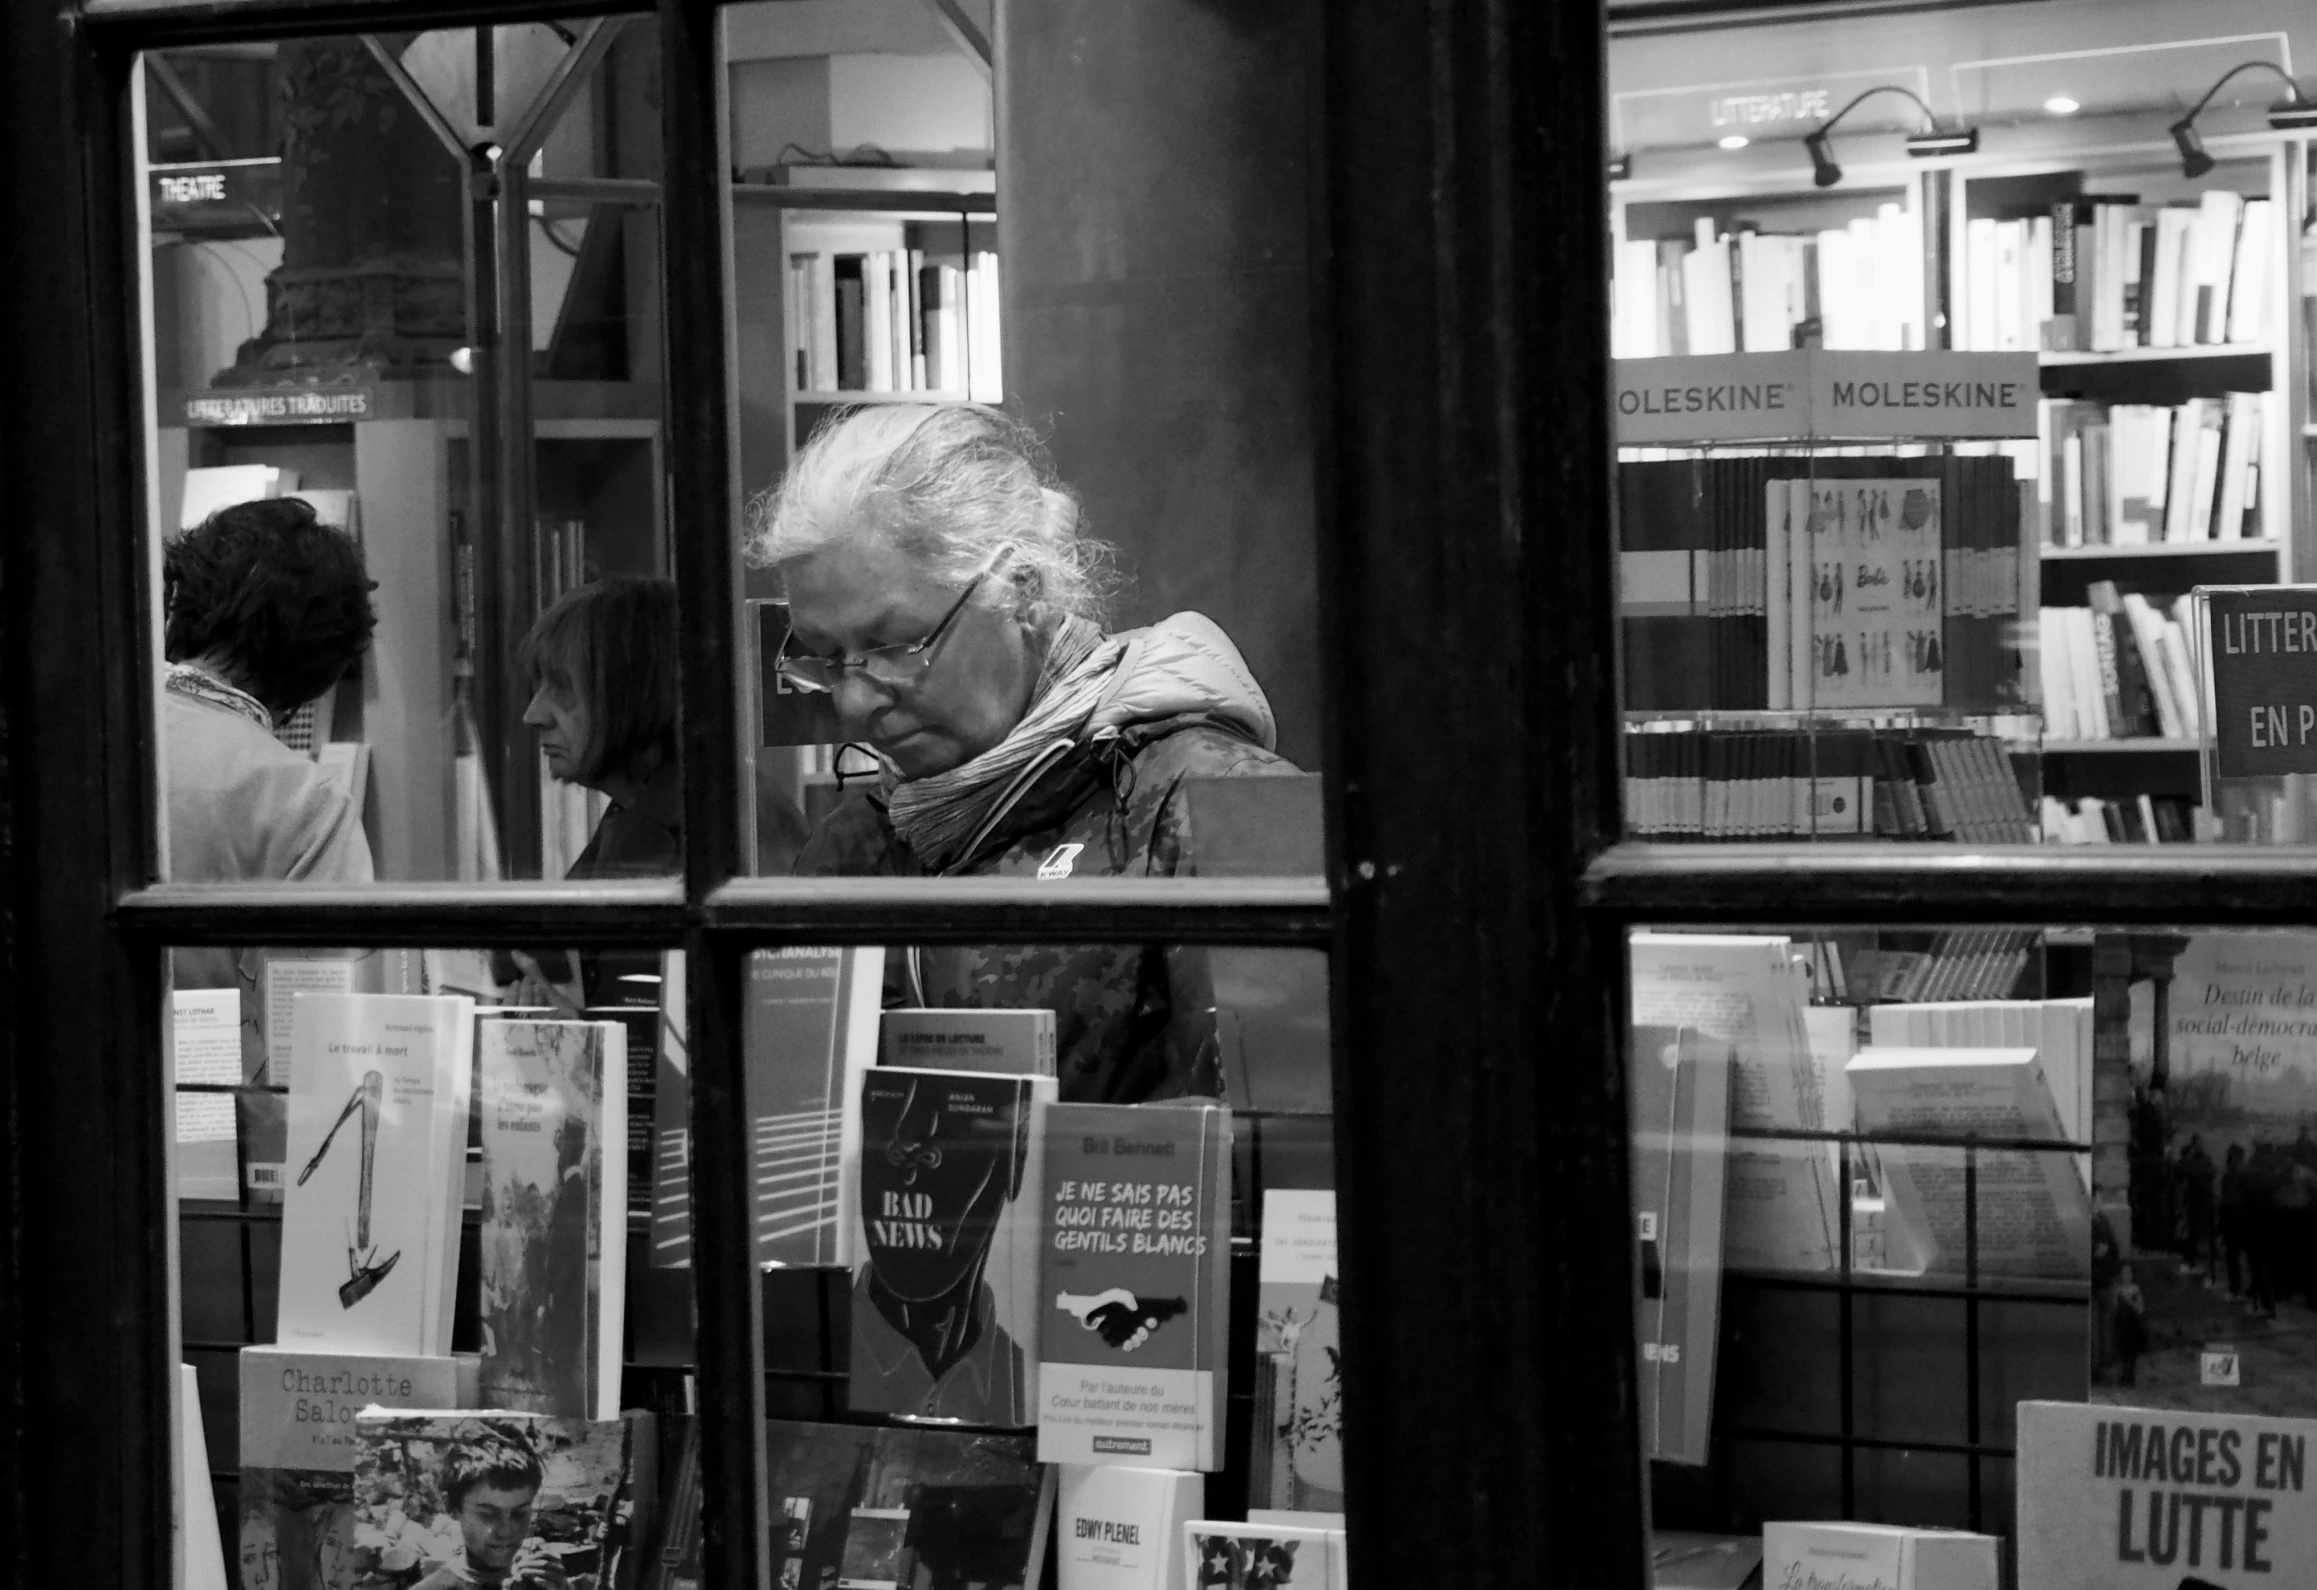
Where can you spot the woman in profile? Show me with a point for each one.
(602, 668)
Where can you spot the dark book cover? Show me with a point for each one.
(1135, 1285)
(868, 1505)
(945, 1309)
(852, 341)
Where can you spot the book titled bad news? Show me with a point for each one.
(1136, 1290)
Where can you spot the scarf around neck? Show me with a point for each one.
(1091, 687)
(184, 679)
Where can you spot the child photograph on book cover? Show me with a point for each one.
(449, 1502)
(2211, 1302)
(931, 1336)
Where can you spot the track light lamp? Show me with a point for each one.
(2299, 112)
(1932, 140)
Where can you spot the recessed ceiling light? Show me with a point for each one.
(1735, 141)
(2061, 105)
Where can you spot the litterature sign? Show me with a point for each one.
(281, 405)
(1809, 394)
(2262, 646)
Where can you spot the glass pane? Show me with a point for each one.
(2052, 335)
(982, 1283)
(1917, 1208)
(423, 1180)
(973, 370)
(412, 283)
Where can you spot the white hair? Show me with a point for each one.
(949, 485)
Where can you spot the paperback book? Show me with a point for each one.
(945, 1308)
(1296, 1459)
(1679, 1091)
(969, 1040)
(1878, 1557)
(554, 1229)
(1227, 1556)
(1122, 1528)
(671, 1181)
(809, 1033)
(1136, 1284)
(878, 1505)
(376, 1163)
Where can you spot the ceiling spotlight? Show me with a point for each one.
(1735, 141)
(2060, 105)
(2297, 113)
(1933, 140)
(463, 360)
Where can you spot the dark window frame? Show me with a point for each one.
(1460, 325)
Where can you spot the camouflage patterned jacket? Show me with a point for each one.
(1132, 1022)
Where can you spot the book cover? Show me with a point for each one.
(200, 1549)
(554, 1228)
(1136, 1284)
(376, 1162)
(1122, 1528)
(909, 1506)
(1679, 1093)
(205, 1051)
(2114, 1498)
(1876, 605)
(809, 1033)
(1877, 1557)
(459, 1499)
(1226, 1556)
(968, 1040)
(297, 1454)
(671, 1245)
(1298, 1457)
(945, 1309)
(2032, 1212)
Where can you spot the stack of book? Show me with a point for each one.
(1752, 582)
(2127, 820)
(2134, 474)
(1823, 784)
(1757, 292)
(1957, 964)
(2120, 669)
(2102, 274)
(894, 320)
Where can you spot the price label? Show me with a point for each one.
(2220, 1365)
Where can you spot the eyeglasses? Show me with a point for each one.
(894, 667)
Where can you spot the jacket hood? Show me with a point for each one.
(1182, 665)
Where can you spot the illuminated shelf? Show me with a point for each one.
(877, 397)
(2202, 350)
(2111, 747)
(2163, 549)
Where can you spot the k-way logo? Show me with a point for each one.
(1058, 864)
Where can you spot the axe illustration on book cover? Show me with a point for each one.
(364, 1266)
(945, 1322)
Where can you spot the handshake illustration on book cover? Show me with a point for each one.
(365, 1271)
(1123, 1320)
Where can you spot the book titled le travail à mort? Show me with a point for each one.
(1136, 1287)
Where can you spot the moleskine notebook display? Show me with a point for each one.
(1136, 1289)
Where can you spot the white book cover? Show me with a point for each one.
(1846, 1556)
(2084, 669)
(211, 487)
(1749, 991)
(2056, 678)
(1679, 1092)
(1877, 607)
(2034, 1218)
(2121, 1498)
(2148, 635)
(1228, 1556)
(1712, 314)
(200, 1551)
(554, 1233)
(1122, 1528)
(2248, 319)
(377, 1156)
(2219, 210)
(205, 1049)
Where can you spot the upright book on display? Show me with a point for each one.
(945, 1309)
(1122, 1528)
(1679, 1089)
(554, 1236)
(1136, 1289)
(377, 1168)
(809, 1032)
(1296, 1449)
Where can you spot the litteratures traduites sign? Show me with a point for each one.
(1810, 394)
(2262, 646)
(2136, 1499)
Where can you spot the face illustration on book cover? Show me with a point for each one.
(2211, 1304)
(934, 1182)
(937, 1508)
(448, 1501)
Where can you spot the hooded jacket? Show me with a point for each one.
(1132, 1022)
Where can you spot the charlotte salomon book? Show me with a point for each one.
(554, 1230)
(376, 1167)
(945, 1306)
(1137, 1284)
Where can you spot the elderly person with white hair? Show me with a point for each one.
(941, 592)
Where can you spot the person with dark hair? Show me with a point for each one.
(491, 1486)
(266, 607)
(602, 667)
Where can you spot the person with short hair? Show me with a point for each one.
(602, 667)
(942, 591)
(266, 608)
(490, 1485)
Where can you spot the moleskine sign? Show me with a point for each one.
(2261, 645)
(1810, 394)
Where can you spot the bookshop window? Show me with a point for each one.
(1933, 1224)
